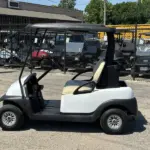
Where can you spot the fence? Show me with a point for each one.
(142, 28)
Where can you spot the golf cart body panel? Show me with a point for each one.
(73, 106)
(14, 89)
(76, 103)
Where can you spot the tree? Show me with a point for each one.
(144, 9)
(122, 13)
(54, 6)
(94, 11)
(131, 12)
(69, 4)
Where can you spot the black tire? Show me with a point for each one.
(107, 114)
(134, 74)
(45, 63)
(18, 114)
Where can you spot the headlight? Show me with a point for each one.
(63, 58)
(77, 58)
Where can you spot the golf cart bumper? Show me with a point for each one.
(3, 97)
(142, 68)
(142, 64)
(133, 109)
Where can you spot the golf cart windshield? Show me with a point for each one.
(143, 50)
(79, 38)
(143, 46)
(140, 41)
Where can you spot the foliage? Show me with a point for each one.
(69, 4)
(94, 11)
(54, 6)
(121, 13)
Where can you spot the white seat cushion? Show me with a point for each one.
(98, 72)
(72, 85)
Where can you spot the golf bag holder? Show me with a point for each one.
(109, 78)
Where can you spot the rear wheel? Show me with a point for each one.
(11, 117)
(113, 121)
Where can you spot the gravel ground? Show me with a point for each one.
(76, 136)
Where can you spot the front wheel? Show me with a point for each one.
(113, 121)
(11, 117)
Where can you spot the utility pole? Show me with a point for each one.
(105, 12)
(135, 41)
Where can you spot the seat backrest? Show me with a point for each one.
(98, 71)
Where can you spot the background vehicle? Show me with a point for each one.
(43, 56)
(81, 50)
(9, 54)
(127, 47)
(7, 57)
(142, 58)
(124, 50)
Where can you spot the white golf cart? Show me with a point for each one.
(103, 98)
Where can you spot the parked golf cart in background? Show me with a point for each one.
(41, 55)
(123, 50)
(142, 57)
(9, 49)
(82, 49)
(127, 47)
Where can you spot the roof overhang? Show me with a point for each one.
(72, 27)
(33, 14)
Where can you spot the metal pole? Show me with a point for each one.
(65, 53)
(105, 12)
(11, 42)
(135, 42)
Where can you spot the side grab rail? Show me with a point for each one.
(87, 70)
(88, 91)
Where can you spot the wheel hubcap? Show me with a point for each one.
(114, 122)
(9, 118)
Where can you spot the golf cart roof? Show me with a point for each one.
(118, 33)
(124, 30)
(145, 33)
(72, 27)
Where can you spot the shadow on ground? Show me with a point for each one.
(135, 126)
(6, 72)
(63, 127)
(145, 76)
(138, 125)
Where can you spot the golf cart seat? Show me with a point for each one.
(79, 87)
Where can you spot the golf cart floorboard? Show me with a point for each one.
(51, 112)
(52, 103)
(51, 107)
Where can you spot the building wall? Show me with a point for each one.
(48, 9)
(3, 3)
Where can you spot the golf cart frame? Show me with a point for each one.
(102, 98)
